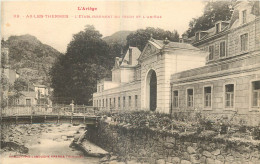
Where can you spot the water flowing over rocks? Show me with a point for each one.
(50, 141)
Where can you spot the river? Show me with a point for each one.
(47, 144)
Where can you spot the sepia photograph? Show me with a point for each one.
(130, 82)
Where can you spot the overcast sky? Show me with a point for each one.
(58, 32)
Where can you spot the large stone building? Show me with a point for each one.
(142, 80)
(230, 81)
(216, 71)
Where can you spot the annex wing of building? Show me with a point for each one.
(217, 71)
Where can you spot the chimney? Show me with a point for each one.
(166, 41)
(184, 36)
(130, 56)
(117, 61)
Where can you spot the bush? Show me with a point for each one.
(256, 133)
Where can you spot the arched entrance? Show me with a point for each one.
(151, 90)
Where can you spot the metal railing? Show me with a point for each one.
(60, 109)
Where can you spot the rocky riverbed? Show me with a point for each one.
(41, 143)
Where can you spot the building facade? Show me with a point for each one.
(141, 80)
(230, 81)
(215, 71)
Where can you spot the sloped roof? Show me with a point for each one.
(135, 55)
(173, 45)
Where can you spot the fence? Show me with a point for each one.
(58, 109)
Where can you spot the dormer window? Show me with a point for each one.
(197, 36)
(244, 17)
(130, 56)
(200, 35)
(218, 27)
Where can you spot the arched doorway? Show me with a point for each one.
(151, 90)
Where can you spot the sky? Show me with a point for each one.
(36, 17)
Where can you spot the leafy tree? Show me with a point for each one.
(140, 37)
(20, 85)
(213, 12)
(74, 75)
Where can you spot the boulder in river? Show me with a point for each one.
(92, 149)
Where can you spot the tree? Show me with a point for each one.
(140, 37)
(20, 85)
(74, 75)
(213, 12)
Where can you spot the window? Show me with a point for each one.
(218, 28)
(110, 102)
(119, 102)
(197, 36)
(99, 103)
(190, 97)
(244, 17)
(130, 56)
(207, 97)
(175, 99)
(28, 102)
(222, 49)
(256, 94)
(136, 98)
(124, 101)
(103, 103)
(114, 102)
(244, 42)
(129, 101)
(229, 95)
(106, 103)
(211, 52)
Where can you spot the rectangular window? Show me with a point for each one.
(197, 36)
(110, 102)
(99, 103)
(129, 101)
(190, 97)
(222, 49)
(124, 101)
(244, 17)
(114, 102)
(28, 102)
(229, 95)
(244, 42)
(207, 96)
(136, 98)
(175, 99)
(119, 102)
(211, 52)
(218, 28)
(256, 94)
(103, 103)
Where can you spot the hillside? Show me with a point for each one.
(118, 37)
(31, 58)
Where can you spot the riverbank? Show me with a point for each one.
(148, 138)
(45, 143)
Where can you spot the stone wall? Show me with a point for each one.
(148, 146)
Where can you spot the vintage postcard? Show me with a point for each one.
(130, 82)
